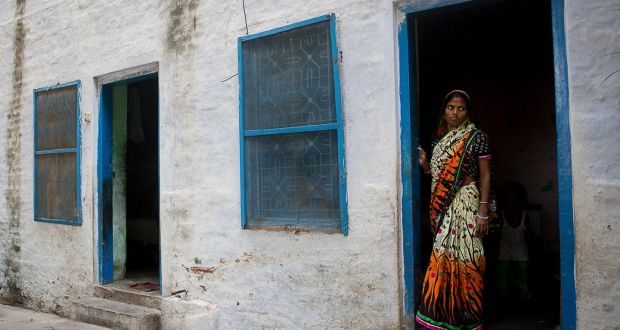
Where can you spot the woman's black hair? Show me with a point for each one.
(441, 126)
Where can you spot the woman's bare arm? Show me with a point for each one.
(482, 227)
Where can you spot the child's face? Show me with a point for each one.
(512, 199)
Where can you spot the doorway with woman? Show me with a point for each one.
(506, 69)
(460, 211)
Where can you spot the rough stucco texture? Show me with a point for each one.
(593, 45)
(44, 266)
(258, 278)
(261, 278)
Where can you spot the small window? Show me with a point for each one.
(57, 154)
(292, 148)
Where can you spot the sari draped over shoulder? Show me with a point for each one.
(452, 289)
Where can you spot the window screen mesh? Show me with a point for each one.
(292, 180)
(288, 79)
(56, 118)
(56, 194)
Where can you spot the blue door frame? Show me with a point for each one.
(411, 216)
(105, 246)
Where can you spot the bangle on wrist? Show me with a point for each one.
(482, 218)
(484, 202)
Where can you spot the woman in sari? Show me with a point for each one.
(459, 218)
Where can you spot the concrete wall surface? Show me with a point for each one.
(43, 265)
(258, 278)
(271, 279)
(593, 46)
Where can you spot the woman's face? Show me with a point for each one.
(455, 112)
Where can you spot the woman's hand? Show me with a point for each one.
(423, 160)
(482, 227)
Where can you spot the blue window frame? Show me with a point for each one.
(57, 154)
(291, 129)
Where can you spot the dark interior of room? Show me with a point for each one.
(142, 178)
(501, 53)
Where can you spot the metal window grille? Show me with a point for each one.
(56, 159)
(291, 129)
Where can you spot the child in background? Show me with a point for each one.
(513, 255)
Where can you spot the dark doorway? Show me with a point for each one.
(142, 178)
(129, 184)
(501, 53)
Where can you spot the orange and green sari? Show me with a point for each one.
(452, 289)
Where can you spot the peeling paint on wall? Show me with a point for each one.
(202, 270)
(302, 279)
(13, 156)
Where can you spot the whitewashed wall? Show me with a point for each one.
(593, 43)
(281, 279)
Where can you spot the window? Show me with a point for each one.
(57, 154)
(292, 144)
